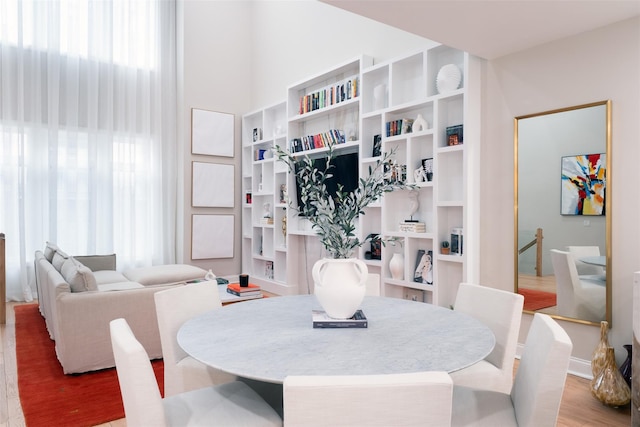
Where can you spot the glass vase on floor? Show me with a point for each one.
(600, 352)
(625, 368)
(609, 387)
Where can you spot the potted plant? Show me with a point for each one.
(334, 220)
(445, 247)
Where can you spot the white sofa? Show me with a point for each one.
(79, 296)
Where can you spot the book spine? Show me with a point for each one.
(335, 325)
(244, 294)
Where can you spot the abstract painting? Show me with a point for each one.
(583, 184)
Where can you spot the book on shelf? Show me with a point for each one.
(266, 221)
(243, 289)
(323, 320)
(245, 294)
(319, 140)
(329, 95)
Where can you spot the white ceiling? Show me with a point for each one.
(493, 28)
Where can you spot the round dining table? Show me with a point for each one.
(270, 338)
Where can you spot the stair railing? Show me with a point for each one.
(537, 242)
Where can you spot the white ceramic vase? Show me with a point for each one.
(339, 285)
(420, 124)
(396, 266)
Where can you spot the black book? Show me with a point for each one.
(322, 320)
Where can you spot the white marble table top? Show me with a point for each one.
(268, 339)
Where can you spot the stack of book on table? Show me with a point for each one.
(247, 292)
(323, 320)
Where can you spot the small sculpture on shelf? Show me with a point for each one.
(420, 124)
(413, 225)
(283, 193)
(284, 228)
(267, 218)
(414, 203)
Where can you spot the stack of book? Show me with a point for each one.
(247, 292)
(413, 227)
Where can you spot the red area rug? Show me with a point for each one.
(537, 300)
(51, 398)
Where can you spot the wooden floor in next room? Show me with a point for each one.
(578, 407)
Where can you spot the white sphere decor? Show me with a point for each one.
(448, 78)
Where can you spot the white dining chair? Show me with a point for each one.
(536, 394)
(174, 307)
(502, 312)
(583, 268)
(373, 285)
(233, 403)
(577, 297)
(412, 399)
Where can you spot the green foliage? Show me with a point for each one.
(445, 244)
(334, 221)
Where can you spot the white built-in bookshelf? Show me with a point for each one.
(359, 99)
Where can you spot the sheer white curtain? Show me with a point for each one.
(87, 131)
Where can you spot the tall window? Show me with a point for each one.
(87, 131)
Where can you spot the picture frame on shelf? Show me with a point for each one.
(427, 165)
(377, 146)
(454, 135)
(423, 272)
(257, 134)
(407, 125)
(457, 241)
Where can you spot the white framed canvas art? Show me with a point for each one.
(212, 236)
(212, 133)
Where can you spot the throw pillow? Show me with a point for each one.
(79, 277)
(49, 250)
(58, 259)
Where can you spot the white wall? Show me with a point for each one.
(214, 68)
(598, 65)
(293, 40)
(239, 56)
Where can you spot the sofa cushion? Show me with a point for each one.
(163, 274)
(98, 262)
(119, 286)
(58, 259)
(49, 250)
(108, 276)
(79, 277)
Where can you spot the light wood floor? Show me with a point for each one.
(578, 407)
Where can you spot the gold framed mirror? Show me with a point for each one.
(562, 210)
